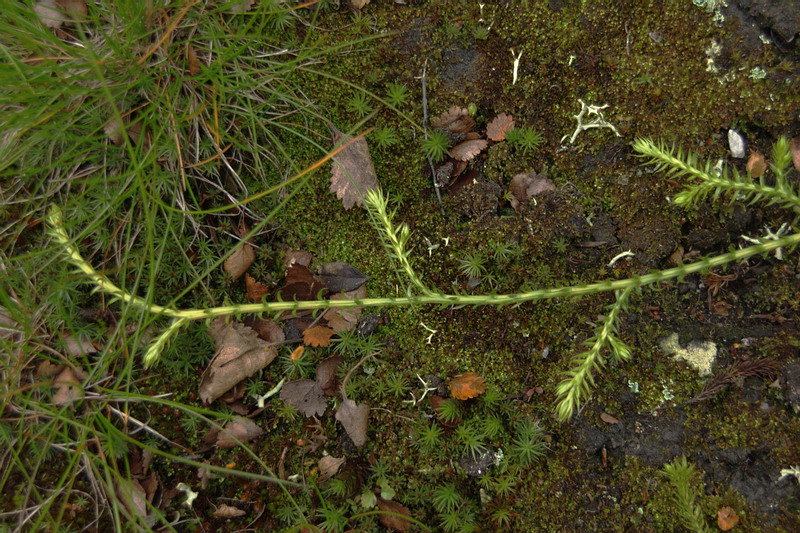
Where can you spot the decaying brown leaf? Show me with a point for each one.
(318, 336)
(390, 517)
(342, 277)
(239, 261)
(326, 374)
(756, 164)
(300, 257)
(358, 4)
(354, 418)
(340, 319)
(255, 289)
(608, 419)
(240, 354)
(467, 385)
(329, 466)
(68, 387)
(227, 511)
(301, 284)
(727, 518)
(297, 353)
(794, 146)
(191, 61)
(466, 150)
(132, 495)
(456, 120)
(523, 187)
(266, 329)
(238, 430)
(305, 395)
(50, 13)
(352, 172)
(497, 128)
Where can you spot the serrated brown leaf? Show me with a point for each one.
(456, 119)
(227, 511)
(305, 395)
(355, 419)
(318, 336)
(342, 277)
(238, 430)
(239, 261)
(191, 61)
(467, 385)
(389, 517)
(498, 127)
(352, 172)
(756, 164)
(240, 354)
(329, 466)
(254, 290)
(345, 319)
(466, 150)
(326, 374)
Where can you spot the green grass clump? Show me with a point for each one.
(397, 94)
(526, 140)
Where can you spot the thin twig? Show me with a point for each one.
(424, 80)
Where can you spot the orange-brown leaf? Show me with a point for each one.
(727, 518)
(239, 261)
(498, 127)
(298, 353)
(467, 385)
(318, 336)
(756, 164)
(255, 289)
(191, 61)
(392, 515)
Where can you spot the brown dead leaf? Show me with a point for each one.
(326, 374)
(523, 187)
(305, 395)
(756, 164)
(498, 127)
(342, 277)
(114, 131)
(50, 13)
(358, 4)
(727, 518)
(340, 319)
(266, 329)
(608, 419)
(240, 354)
(255, 289)
(78, 346)
(239, 430)
(239, 261)
(794, 146)
(466, 150)
(68, 387)
(354, 418)
(352, 172)
(329, 466)
(300, 257)
(227, 511)
(318, 336)
(467, 385)
(456, 119)
(132, 495)
(301, 284)
(191, 61)
(390, 518)
(297, 353)
(46, 369)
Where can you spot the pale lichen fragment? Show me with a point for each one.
(699, 354)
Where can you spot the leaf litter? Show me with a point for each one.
(352, 173)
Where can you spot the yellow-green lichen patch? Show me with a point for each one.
(699, 354)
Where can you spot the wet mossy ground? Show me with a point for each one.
(649, 62)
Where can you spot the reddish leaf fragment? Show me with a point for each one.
(466, 150)
(318, 336)
(391, 515)
(305, 395)
(727, 518)
(354, 418)
(756, 164)
(342, 277)
(352, 172)
(467, 385)
(341, 319)
(301, 284)
(238, 431)
(297, 353)
(498, 127)
(608, 419)
(456, 119)
(255, 289)
(266, 329)
(239, 261)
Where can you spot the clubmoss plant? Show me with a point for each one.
(435, 145)
(359, 104)
(397, 94)
(526, 140)
(680, 474)
(703, 182)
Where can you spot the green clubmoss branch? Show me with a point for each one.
(680, 474)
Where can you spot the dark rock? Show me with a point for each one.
(790, 382)
(780, 16)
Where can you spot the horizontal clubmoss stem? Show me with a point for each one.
(57, 231)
